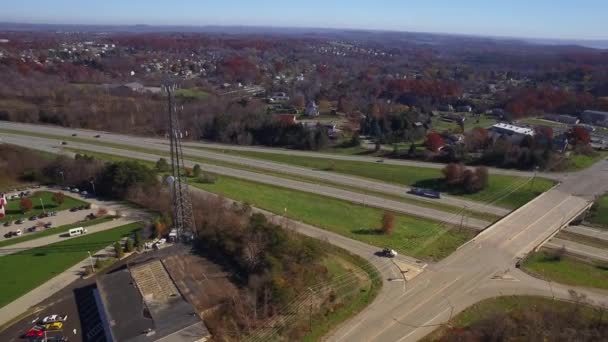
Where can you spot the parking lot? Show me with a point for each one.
(61, 218)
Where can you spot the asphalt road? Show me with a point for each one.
(355, 197)
(595, 233)
(345, 180)
(579, 249)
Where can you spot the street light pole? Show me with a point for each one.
(42, 203)
(93, 184)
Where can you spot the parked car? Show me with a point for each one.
(48, 225)
(389, 253)
(19, 221)
(41, 215)
(7, 223)
(53, 326)
(18, 232)
(97, 136)
(75, 190)
(74, 134)
(64, 143)
(34, 332)
(8, 235)
(33, 218)
(54, 318)
(73, 209)
(32, 229)
(67, 188)
(52, 213)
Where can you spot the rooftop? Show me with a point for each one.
(143, 304)
(512, 128)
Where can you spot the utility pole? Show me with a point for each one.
(93, 185)
(534, 177)
(464, 211)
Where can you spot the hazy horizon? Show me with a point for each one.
(542, 19)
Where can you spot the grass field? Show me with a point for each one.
(26, 270)
(568, 270)
(599, 212)
(355, 296)
(413, 236)
(507, 305)
(54, 231)
(191, 93)
(412, 176)
(580, 161)
(13, 210)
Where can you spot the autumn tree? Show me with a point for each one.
(26, 205)
(388, 223)
(161, 225)
(434, 141)
(453, 173)
(58, 198)
(580, 136)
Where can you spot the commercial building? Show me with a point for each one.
(142, 304)
(514, 133)
(594, 117)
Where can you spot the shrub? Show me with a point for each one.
(118, 250)
(388, 223)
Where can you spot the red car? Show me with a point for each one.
(34, 333)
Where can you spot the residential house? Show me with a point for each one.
(312, 109)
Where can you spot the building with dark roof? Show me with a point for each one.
(142, 304)
(593, 117)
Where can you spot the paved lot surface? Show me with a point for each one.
(34, 142)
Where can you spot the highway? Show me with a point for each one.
(480, 269)
(309, 173)
(595, 233)
(579, 249)
(355, 197)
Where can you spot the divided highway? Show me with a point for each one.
(370, 200)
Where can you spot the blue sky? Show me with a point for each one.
(567, 19)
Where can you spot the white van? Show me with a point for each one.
(77, 231)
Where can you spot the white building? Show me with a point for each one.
(514, 133)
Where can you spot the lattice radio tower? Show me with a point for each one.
(182, 206)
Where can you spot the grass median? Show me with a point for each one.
(567, 270)
(598, 214)
(411, 176)
(26, 270)
(40, 200)
(418, 237)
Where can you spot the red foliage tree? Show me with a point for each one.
(26, 205)
(580, 136)
(434, 141)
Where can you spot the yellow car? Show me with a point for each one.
(53, 326)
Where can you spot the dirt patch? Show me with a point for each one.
(203, 283)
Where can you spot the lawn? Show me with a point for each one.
(13, 210)
(354, 296)
(54, 231)
(508, 305)
(413, 176)
(598, 214)
(568, 270)
(580, 161)
(414, 236)
(26, 270)
(192, 94)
